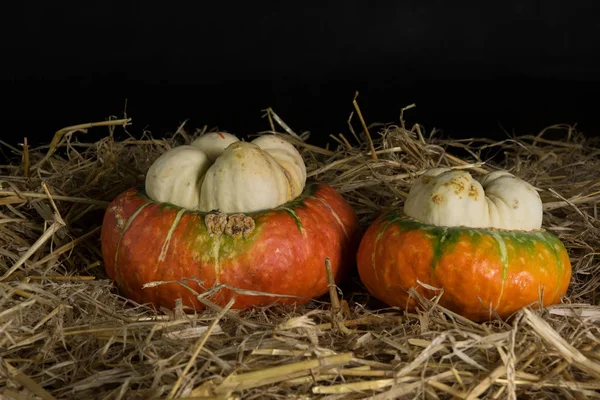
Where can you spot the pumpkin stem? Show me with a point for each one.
(239, 225)
(234, 225)
(215, 222)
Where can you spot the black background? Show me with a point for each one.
(472, 68)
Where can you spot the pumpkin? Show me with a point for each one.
(480, 241)
(231, 218)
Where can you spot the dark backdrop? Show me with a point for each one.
(472, 68)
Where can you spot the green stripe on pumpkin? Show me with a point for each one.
(294, 216)
(504, 259)
(444, 238)
(442, 243)
(167, 242)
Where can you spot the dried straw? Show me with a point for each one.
(65, 333)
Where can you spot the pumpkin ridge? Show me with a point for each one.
(559, 263)
(287, 176)
(122, 233)
(389, 220)
(335, 215)
(504, 258)
(286, 173)
(167, 242)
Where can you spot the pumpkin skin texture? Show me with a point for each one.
(484, 272)
(280, 250)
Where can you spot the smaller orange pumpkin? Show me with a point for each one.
(484, 270)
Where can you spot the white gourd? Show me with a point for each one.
(176, 176)
(214, 143)
(516, 202)
(244, 178)
(446, 197)
(288, 157)
(218, 171)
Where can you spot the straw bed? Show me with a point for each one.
(65, 333)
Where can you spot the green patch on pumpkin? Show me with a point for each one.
(232, 247)
(443, 239)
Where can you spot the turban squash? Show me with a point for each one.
(237, 216)
(480, 241)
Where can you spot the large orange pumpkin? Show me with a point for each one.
(232, 218)
(484, 271)
(280, 250)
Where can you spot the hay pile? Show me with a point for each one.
(66, 334)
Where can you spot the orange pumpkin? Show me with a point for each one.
(483, 271)
(280, 250)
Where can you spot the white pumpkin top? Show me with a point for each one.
(175, 177)
(220, 172)
(288, 157)
(213, 143)
(244, 178)
(446, 197)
